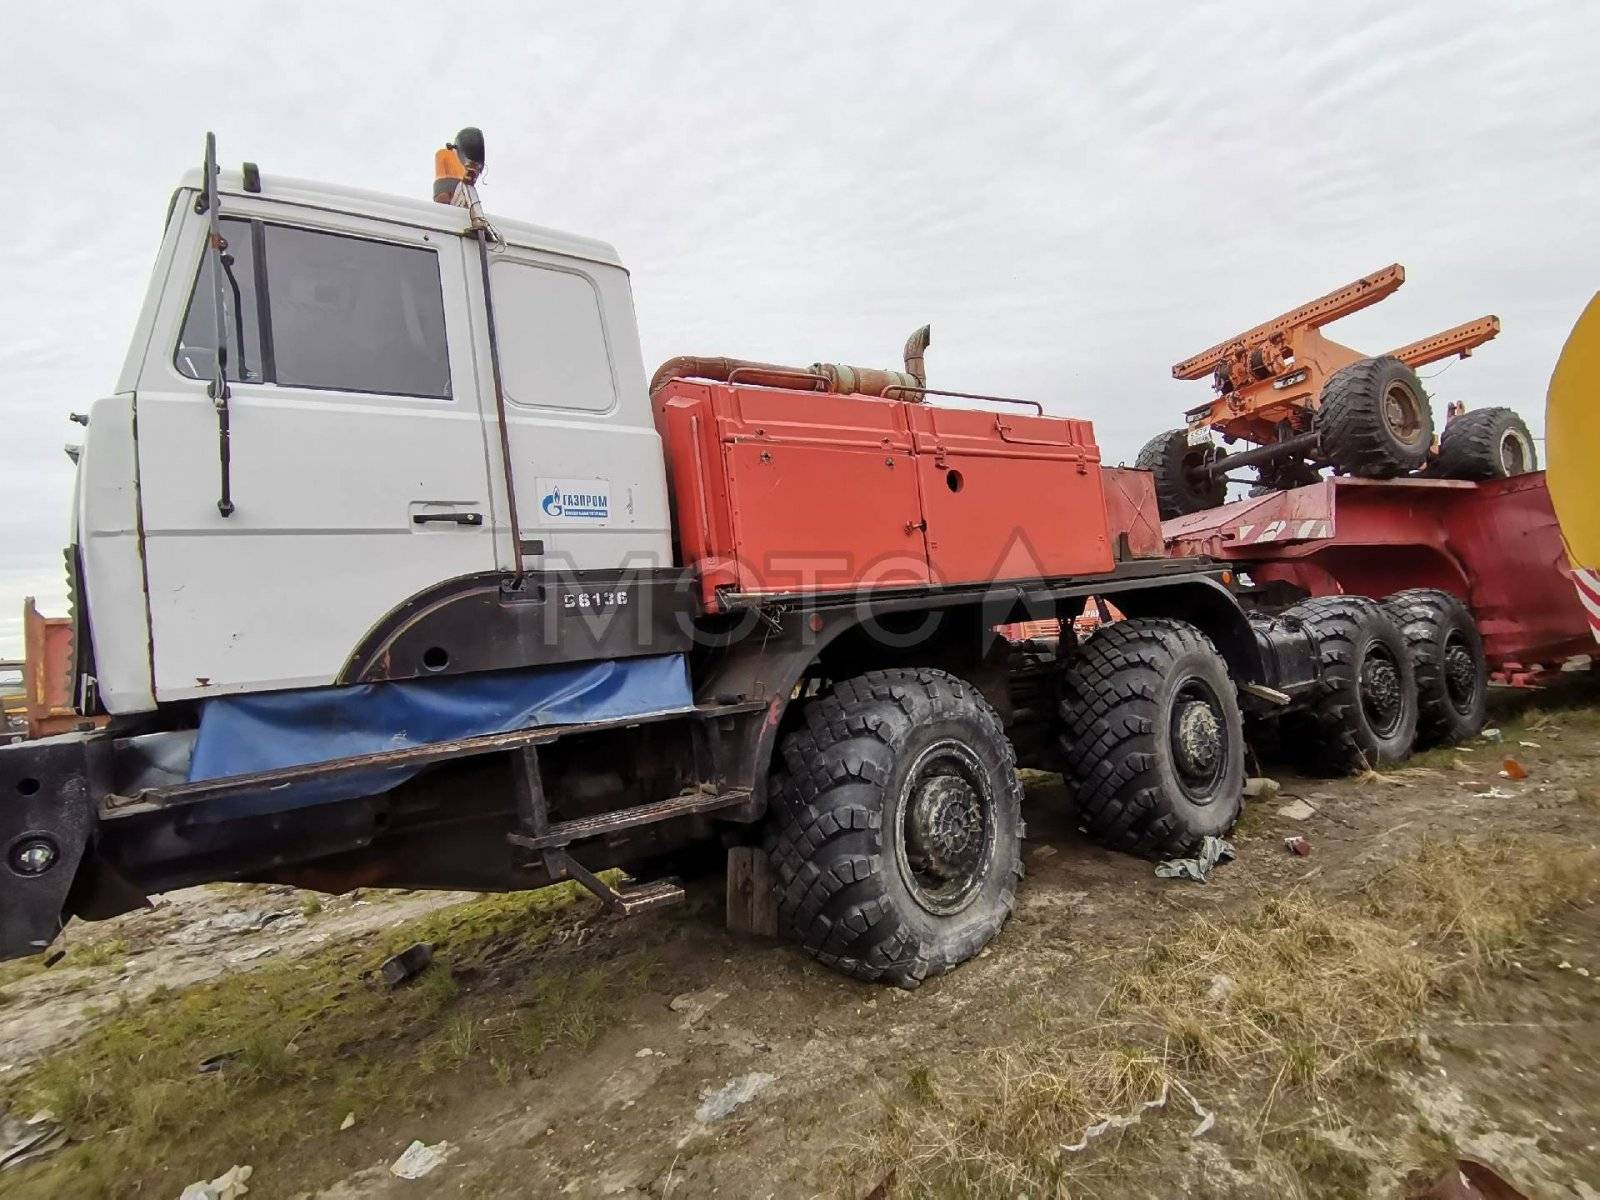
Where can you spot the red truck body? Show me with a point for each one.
(780, 492)
(1496, 544)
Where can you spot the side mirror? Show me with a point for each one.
(469, 148)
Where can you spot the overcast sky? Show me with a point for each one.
(1075, 195)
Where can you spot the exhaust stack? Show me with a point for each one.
(837, 378)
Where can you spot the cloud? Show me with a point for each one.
(1075, 196)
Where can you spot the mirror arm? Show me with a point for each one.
(218, 389)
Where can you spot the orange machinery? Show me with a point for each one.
(1269, 379)
(47, 674)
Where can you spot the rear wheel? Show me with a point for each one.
(1152, 740)
(1374, 419)
(1176, 465)
(1486, 443)
(1365, 715)
(1447, 653)
(895, 826)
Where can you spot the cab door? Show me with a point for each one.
(359, 457)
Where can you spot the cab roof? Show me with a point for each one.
(405, 210)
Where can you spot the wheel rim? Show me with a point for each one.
(945, 832)
(1382, 693)
(1402, 413)
(1197, 733)
(1460, 674)
(1513, 453)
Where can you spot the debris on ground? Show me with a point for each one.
(1040, 853)
(230, 924)
(1213, 850)
(418, 1160)
(1298, 810)
(719, 1102)
(349, 1122)
(1531, 745)
(1222, 986)
(408, 964)
(230, 1185)
(1512, 769)
(695, 1005)
(1299, 845)
(1260, 787)
(28, 1141)
(1118, 1121)
(1490, 735)
(210, 1066)
(1493, 793)
(1468, 1180)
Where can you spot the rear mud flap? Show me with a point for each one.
(46, 818)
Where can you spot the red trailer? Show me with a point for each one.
(1496, 545)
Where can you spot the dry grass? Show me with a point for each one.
(1480, 895)
(1291, 995)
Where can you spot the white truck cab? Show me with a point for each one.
(366, 457)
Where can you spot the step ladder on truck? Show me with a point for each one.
(412, 579)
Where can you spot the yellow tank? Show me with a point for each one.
(1572, 454)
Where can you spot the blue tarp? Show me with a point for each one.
(240, 735)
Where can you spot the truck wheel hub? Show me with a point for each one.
(1197, 739)
(945, 830)
(946, 827)
(1460, 674)
(1380, 692)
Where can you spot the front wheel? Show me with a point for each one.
(1152, 740)
(896, 826)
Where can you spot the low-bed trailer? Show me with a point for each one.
(1496, 545)
(389, 569)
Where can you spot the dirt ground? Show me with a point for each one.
(687, 1061)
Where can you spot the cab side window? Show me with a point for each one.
(326, 311)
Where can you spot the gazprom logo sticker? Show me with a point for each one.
(575, 501)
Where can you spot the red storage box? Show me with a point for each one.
(783, 492)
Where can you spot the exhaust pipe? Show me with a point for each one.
(836, 378)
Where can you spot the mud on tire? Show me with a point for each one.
(1152, 740)
(1365, 714)
(1374, 420)
(1446, 652)
(895, 826)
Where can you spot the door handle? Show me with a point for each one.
(459, 518)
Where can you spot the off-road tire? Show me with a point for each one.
(1446, 652)
(1486, 443)
(1353, 431)
(1124, 697)
(1169, 457)
(1359, 719)
(840, 800)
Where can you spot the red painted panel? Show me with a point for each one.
(818, 518)
(1496, 544)
(1009, 497)
(779, 491)
(1131, 509)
